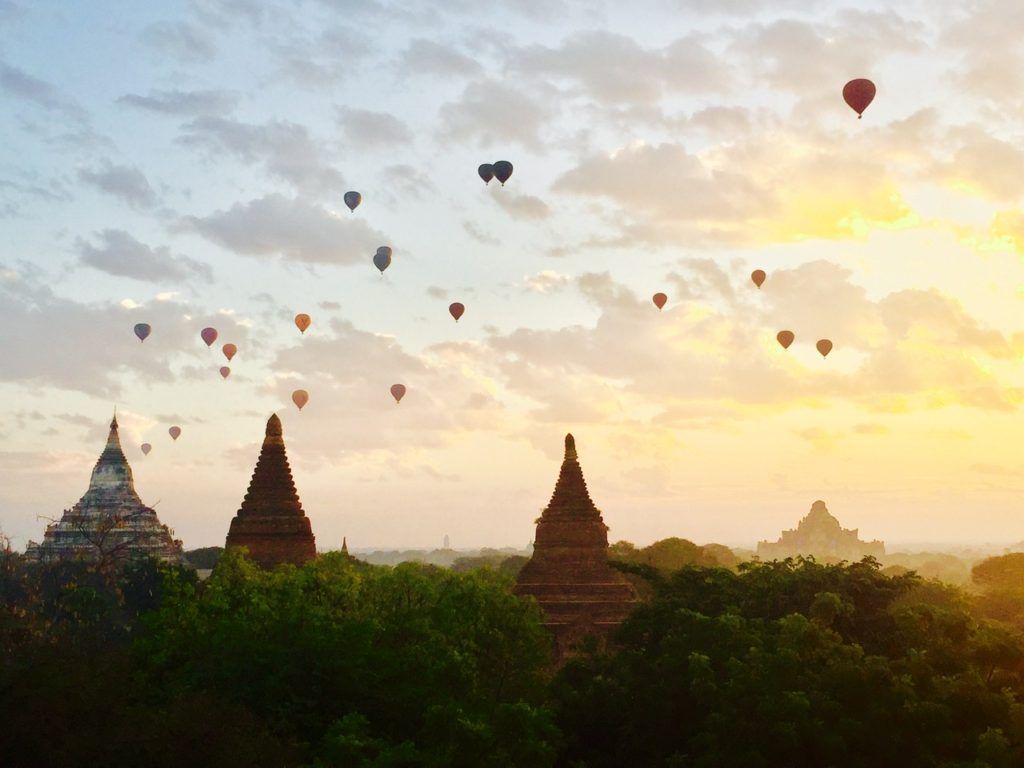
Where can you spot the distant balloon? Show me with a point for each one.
(758, 276)
(398, 392)
(659, 300)
(352, 200)
(859, 94)
(457, 310)
(300, 397)
(209, 335)
(502, 171)
(785, 338)
(146, 448)
(174, 432)
(229, 351)
(225, 371)
(486, 172)
(824, 346)
(142, 330)
(302, 322)
(382, 259)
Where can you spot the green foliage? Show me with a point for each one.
(671, 554)
(204, 558)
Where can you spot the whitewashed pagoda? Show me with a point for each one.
(109, 523)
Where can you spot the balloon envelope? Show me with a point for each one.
(302, 322)
(824, 346)
(858, 94)
(502, 171)
(225, 371)
(457, 310)
(300, 397)
(659, 300)
(486, 172)
(758, 276)
(142, 330)
(382, 258)
(209, 335)
(398, 392)
(785, 338)
(174, 432)
(229, 351)
(352, 200)
(146, 448)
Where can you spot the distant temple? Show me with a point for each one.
(109, 523)
(568, 573)
(270, 522)
(819, 534)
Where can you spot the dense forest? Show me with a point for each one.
(341, 663)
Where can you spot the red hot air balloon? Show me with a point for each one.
(824, 346)
(398, 392)
(758, 276)
(146, 448)
(659, 300)
(209, 335)
(142, 330)
(302, 322)
(502, 171)
(225, 371)
(174, 432)
(785, 338)
(300, 397)
(486, 172)
(229, 351)
(352, 200)
(457, 310)
(859, 94)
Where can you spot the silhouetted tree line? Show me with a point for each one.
(339, 663)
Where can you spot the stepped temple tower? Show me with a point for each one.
(820, 534)
(109, 524)
(270, 522)
(568, 573)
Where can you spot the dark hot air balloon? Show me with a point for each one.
(785, 338)
(457, 310)
(398, 392)
(302, 322)
(209, 335)
(300, 397)
(229, 351)
(382, 259)
(659, 300)
(142, 330)
(858, 94)
(502, 171)
(824, 347)
(225, 371)
(146, 448)
(486, 172)
(174, 432)
(758, 276)
(352, 200)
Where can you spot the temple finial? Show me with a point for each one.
(570, 447)
(113, 422)
(274, 428)
(344, 545)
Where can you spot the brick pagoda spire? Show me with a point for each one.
(270, 522)
(569, 573)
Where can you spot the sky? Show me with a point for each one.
(183, 164)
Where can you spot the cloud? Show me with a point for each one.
(187, 103)
(124, 182)
(293, 228)
(183, 41)
(547, 281)
(491, 112)
(120, 254)
(425, 57)
(18, 84)
(520, 206)
(372, 130)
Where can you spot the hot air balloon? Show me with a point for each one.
(824, 346)
(382, 259)
(486, 172)
(174, 432)
(502, 171)
(302, 322)
(457, 310)
(225, 371)
(146, 448)
(300, 397)
(398, 392)
(229, 351)
(858, 94)
(209, 335)
(352, 200)
(758, 276)
(659, 300)
(142, 330)
(785, 338)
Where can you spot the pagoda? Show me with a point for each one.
(270, 523)
(568, 573)
(820, 535)
(109, 524)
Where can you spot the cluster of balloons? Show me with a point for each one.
(382, 258)
(501, 170)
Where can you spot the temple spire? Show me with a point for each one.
(344, 545)
(571, 494)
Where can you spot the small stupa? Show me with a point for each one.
(109, 523)
(270, 523)
(568, 573)
(819, 534)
